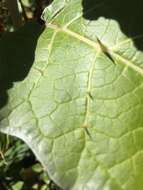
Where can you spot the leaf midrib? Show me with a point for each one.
(97, 47)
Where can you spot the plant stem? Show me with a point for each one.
(14, 12)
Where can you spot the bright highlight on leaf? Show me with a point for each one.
(80, 108)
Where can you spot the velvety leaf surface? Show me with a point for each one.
(80, 108)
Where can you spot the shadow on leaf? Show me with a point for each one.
(127, 13)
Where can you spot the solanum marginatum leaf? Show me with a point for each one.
(80, 108)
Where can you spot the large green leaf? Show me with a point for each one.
(80, 108)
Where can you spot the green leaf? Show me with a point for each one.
(37, 168)
(28, 3)
(18, 185)
(4, 142)
(44, 187)
(80, 107)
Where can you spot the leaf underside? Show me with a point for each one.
(80, 107)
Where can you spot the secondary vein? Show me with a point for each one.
(89, 96)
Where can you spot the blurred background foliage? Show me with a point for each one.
(19, 169)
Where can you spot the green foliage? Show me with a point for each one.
(28, 3)
(79, 107)
(20, 171)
